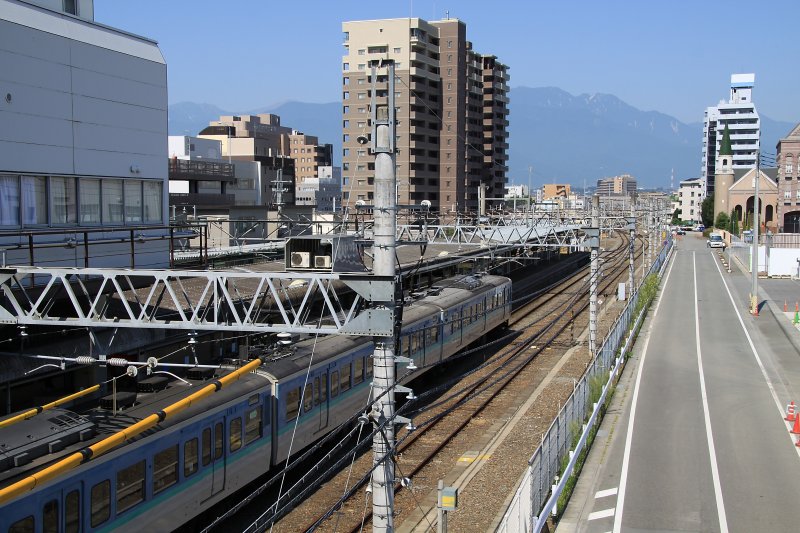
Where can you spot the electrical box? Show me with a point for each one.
(449, 498)
(324, 253)
(621, 292)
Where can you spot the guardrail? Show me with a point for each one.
(538, 493)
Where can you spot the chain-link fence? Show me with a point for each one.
(531, 499)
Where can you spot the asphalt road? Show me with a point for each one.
(695, 438)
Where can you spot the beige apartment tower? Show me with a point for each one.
(451, 110)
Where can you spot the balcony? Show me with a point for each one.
(182, 169)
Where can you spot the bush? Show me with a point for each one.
(722, 221)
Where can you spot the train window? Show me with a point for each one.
(26, 525)
(323, 390)
(344, 382)
(190, 457)
(434, 335)
(292, 404)
(236, 434)
(130, 486)
(252, 425)
(165, 469)
(369, 368)
(101, 502)
(308, 398)
(358, 370)
(72, 512)
(206, 446)
(316, 391)
(50, 517)
(252, 400)
(334, 384)
(219, 438)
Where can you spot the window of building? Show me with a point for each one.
(346, 66)
(787, 195)
(345, 152)
(362, 96)
(345, 81)
(345, 123)
(449, 58)
(101, 502)
(63, 201)
(397, 50)
(449, 72)
(89, 208)
(235, 434)
(130, 486)
(797, 194)
(112, 201)
(165, 469)
(361, 124)
(71, 7)
(362, 66)
(152, 200)
(449, 86)
(9, 201)
(449, 99)
(361, 52)
(345, 95)
(34, 200)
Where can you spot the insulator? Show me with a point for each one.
(117, 361)
(85, 360)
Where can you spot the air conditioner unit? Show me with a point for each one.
(301, 259)
(322, 261)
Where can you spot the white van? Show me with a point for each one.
(715, 240)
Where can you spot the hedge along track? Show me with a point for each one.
(484, 383)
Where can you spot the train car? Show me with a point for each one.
(170, 474)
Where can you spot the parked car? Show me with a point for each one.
(681, 231)
(700, 227)
(715, 240)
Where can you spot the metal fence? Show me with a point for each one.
(531, 505)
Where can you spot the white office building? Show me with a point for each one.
(740, 115)
(690, 199)
(83, 134)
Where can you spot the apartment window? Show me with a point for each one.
(397, 50)
(9, 201)
(797, 194)
(449, 142)
(449, 58)
(449, 44)
(787, 195)
(346, 95)
(346, 152)
(449, 72)
(71, 7)
(397, 94)
(112, 201)
(345, 123)
(34, 200)
(361, 124)
(345, 109)
(361, 81)
(345, 137)
(449, 86)
(789, 167)
(361, 52)
(345, 81)
(449, 115)
(362, 66)
(449, 99)
(346, 66)
(362, 109)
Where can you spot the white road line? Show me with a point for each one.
(629, 437)
(758, 358)
(604, 493)
(605, 513)
(723, 521)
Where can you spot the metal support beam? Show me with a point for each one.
(594, 241)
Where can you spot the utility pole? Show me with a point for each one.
(385, 216)
(594, 235)
(754, 252)
(632, 230)
(649, 233)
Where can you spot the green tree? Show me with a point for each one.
(722, 220)
(676, 217)
(733, 223)
(707, 212)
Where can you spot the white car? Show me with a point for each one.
(715, 240)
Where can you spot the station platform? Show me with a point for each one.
(695, 438)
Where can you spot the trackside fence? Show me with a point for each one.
(538, 493)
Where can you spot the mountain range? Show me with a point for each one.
(563, 137)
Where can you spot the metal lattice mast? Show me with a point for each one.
(385, 216)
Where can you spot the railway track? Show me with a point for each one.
(447, 416)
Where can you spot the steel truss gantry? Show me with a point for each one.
(258, 302)
(535, 236)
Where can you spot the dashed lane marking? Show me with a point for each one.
(606, 492)
(605, 513)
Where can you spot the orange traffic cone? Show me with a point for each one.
(790, 412)
(784, 306)
(796, 428)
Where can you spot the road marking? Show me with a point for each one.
(723, 521)
(629, 437)
(605, 513)
(758, 358)
(604, 493)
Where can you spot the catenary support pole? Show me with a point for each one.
(754, 252)
(385, 216)
(594, 273)
(632, 230)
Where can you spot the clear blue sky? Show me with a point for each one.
(674, 57)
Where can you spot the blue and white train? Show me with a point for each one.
(172, 473)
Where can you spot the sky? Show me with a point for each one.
(673, 57)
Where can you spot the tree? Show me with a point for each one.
(676, 217)
(733, 223)
(722, 220)
(707, 212)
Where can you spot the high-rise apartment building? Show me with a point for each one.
(740, 115)
(618, 185)
(452, 112)
(309, 155)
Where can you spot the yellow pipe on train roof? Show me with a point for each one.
(27, 484)
(36, 410)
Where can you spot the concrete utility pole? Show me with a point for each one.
(594, 235)
(632, 230)
(649, 233)
(385, 216)
(754, 252)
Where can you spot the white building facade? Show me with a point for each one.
(740, 115)
(83, 129)
(690, 199)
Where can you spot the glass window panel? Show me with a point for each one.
(133, 201)
(50, 517)
(316, 391)
(252, 426)
(308, 399)
(236, 434)
(358, 372)
(190, 457)
(206, 446)
(218, 440)
(292, 403)
(334, 384)
(165, 469)
(63, 198)
(89, 209)
(101, 502)
(72, 512)
(130, 486)
(9, 201)
(324, 386)
(344, 382)
(34, 200)
(112, 201)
